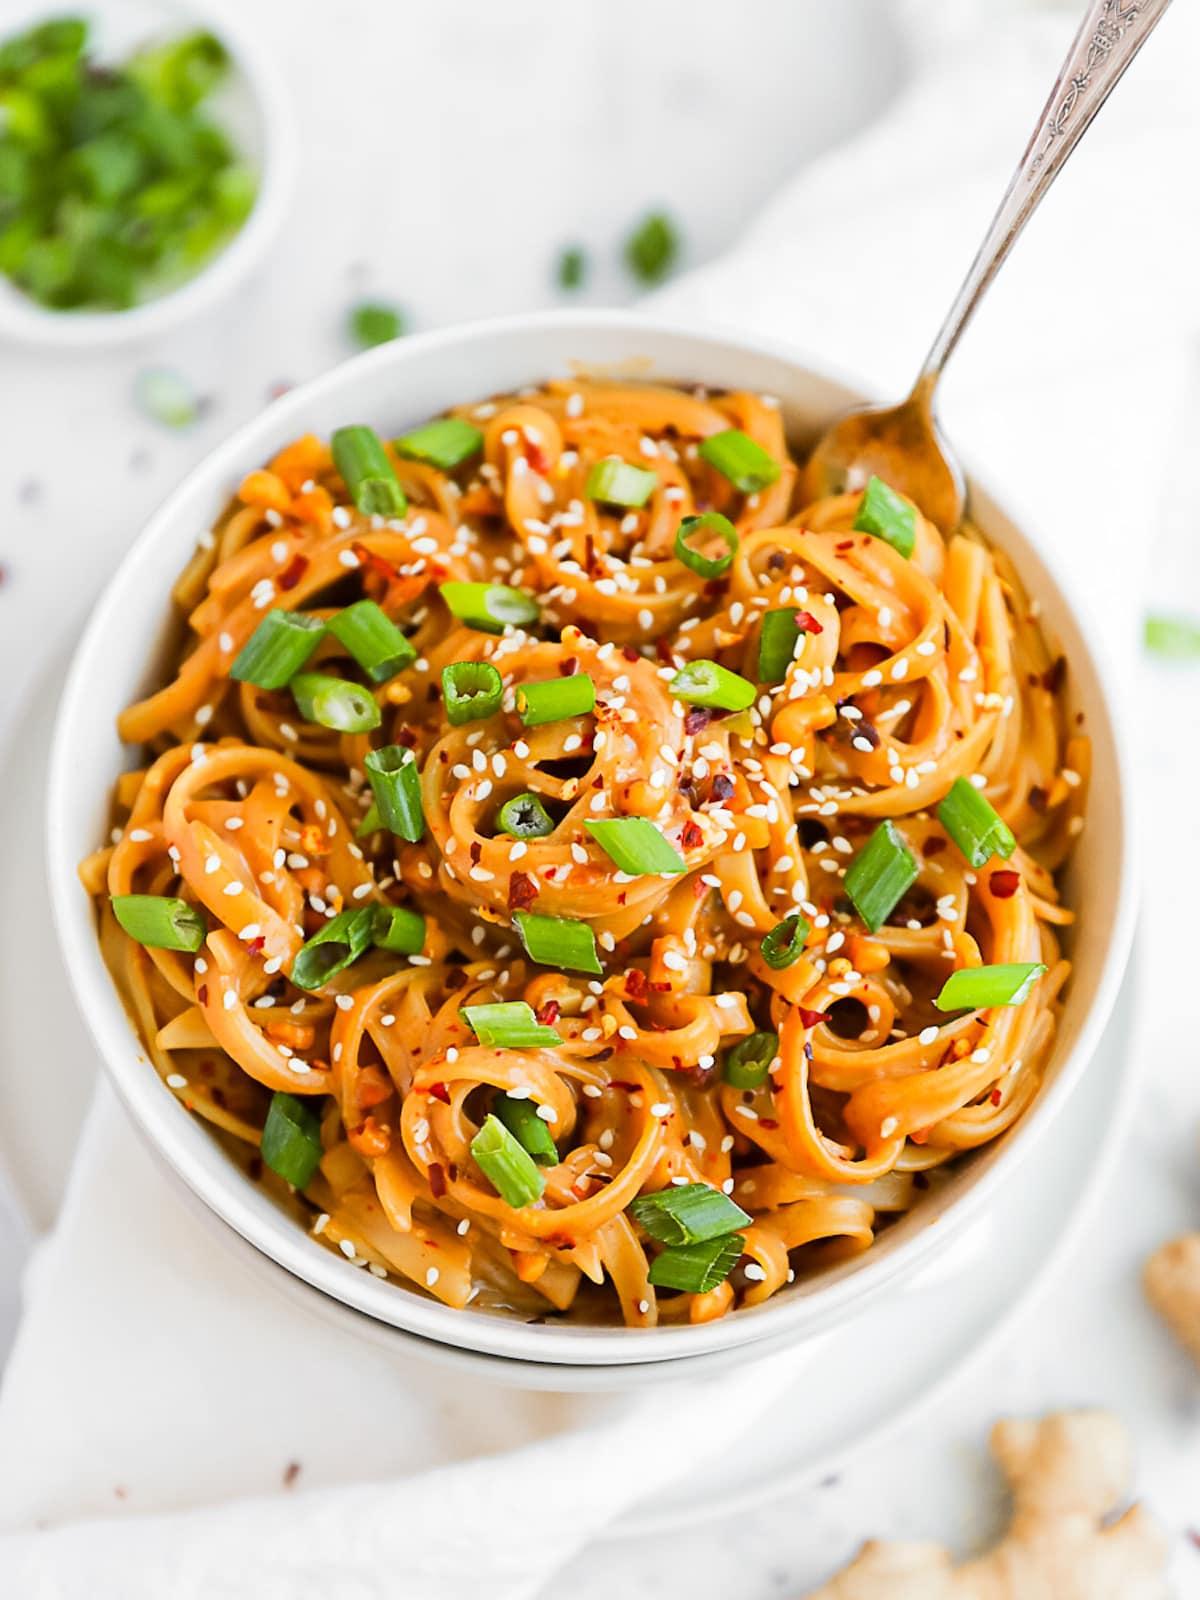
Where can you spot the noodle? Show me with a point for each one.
(910, 673)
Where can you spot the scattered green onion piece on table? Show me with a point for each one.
(291, 1139)
(160, 921)
(616, 483)
(777, 641)
(636, 846)
(554, 699)
(652, 248)
(373, 639)
(167, 397)
(741, 459)
(508, 1025)
(444, 444)
(395, 781)
(1176, 638)
(398, 929)
(334, 947)
(506, 1164)
(883, 514)
(490, 607)
(880, 875)
(697, 1268)
(335, 703)
(369, 475)
(976, 988)
(975, 826)
(277, 649)
(749, 1062)
(471, 690)
(708, 683)
(687, 1214)
(784, 945)
(373, 323)
(525, 817)
(530, 1131)
(558, 942)
(572, 268)
(711, 522)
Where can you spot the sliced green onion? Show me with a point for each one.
(521, 1119)
(708, 683)
(741, 459)
(553, 699)
(395, 781)
(490, 607)
(710, 522)
(975, 988)
(444, 444)
(636, 846)
(687, 1214)
(616, 483)
(371, 822)
(160, 921)
(167, 397)
(697, 1268)
(884, 515)
(558, 942)
(508, 1025)
(398, 929)
(506, 1164)
(471, 690)
(373, 323)
(335, 703)
(976, 828)
(373, 639)
(1177, 638)
(334, 947)
(291, 1139)
(748, 1063)
(277, 649)
(359, 456)
(785, 942)
(882, 872)
(525, 817)
(652, 247)
(777, 645)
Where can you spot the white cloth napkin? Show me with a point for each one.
(153, 1376)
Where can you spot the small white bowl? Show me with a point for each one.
(252, 106)
(396, 386)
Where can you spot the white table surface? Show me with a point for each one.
(452, 195)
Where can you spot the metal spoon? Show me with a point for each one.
(903, 444)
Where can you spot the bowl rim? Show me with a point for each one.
(206, 1169)
(23, 321)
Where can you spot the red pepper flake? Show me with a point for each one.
(536, 456)
(257, 945)
(699, 888)
(375, 563)
(696, 719)
(807, 623)
(547, 1015)
(662, 649)
(636, 984)
(437, 1180)
(439, 1091)
(661, 987)
(767, 1122)
(522, 891)
(476, 851)
(722, 787)
(630, 653)
(995, 1097)
(293, 572)
(290, 1473)
(934, 845)
(202, 994)
(843, 545)
(811, 1018)
(1004, 884)
(692, 835)
(566, 669)
(407, 737)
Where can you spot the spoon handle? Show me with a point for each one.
(1110, 35)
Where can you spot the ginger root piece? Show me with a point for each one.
(1067, 1473)
(1172, 1281)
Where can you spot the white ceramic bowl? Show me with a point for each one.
(395, 387)
(252, 106)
